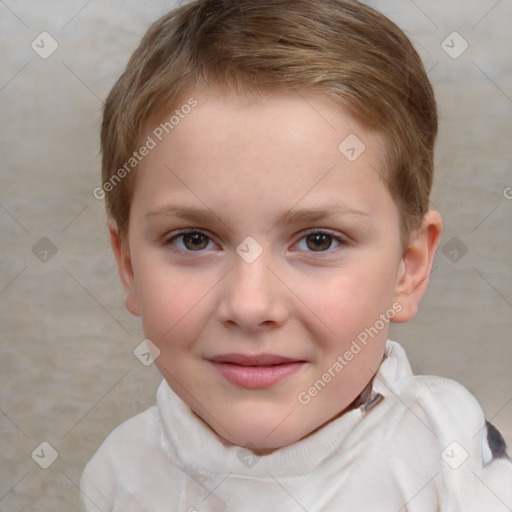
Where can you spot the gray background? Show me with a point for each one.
(68, 372)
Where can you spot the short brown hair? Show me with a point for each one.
(341, 48)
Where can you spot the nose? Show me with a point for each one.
(252, 296)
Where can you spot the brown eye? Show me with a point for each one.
(195, 241)
(189, 241)
(319, 241)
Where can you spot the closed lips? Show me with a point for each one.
(255, 371)
(253, 360)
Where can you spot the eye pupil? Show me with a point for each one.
(321, 241)
(198, 240)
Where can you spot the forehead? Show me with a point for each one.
(279, 122)
(289, 146)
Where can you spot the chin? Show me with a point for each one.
(264, 436)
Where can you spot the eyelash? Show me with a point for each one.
(342, 241)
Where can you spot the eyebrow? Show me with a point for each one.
(290, 217)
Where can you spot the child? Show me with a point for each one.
(267, 167)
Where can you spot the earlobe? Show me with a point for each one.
(124, 265)
(416, 265)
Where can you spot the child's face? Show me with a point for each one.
(242, 163)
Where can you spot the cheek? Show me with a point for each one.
(352, 291)
(349, 300)
(170, 300)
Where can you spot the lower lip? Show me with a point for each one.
(257, 377)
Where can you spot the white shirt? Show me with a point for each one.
(422, 448)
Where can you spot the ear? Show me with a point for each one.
(416, 264)
(124, 265)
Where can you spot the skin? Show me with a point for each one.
(251, 159)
